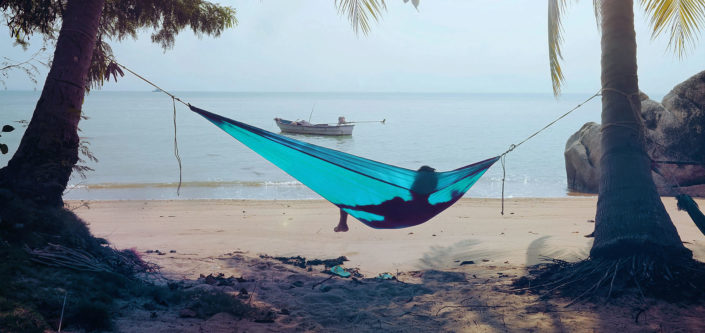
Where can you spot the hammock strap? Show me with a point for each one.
(149, 82)
(174, 99)
(513, 146)
(176, 147)
(503, 156)
(504, 175)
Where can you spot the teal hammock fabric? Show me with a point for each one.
(380, 195)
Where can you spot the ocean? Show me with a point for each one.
(132, 135)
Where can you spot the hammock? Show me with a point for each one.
(379, 195)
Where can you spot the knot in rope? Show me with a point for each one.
(634, 125)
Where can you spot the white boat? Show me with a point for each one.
(304, 127)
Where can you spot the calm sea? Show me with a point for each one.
(132, 134)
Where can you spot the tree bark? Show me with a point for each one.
(42, 165)
(630, 218)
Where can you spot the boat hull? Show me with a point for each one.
(288, 126)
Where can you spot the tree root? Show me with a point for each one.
(675, 280)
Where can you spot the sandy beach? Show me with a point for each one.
(451, 274)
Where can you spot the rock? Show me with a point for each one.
(582, 159)
(674, 132)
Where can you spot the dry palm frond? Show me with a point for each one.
(57, 255)
(680, 19)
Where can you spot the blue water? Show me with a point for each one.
(132, 134)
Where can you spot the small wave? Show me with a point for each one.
(184, 184)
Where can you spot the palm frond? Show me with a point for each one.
(414, 2)
(680, 19)
(361, 13)
(597, 7)
(556, 8)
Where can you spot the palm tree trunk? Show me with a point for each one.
(631, 218)
(42, 165)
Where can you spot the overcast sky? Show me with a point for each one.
(496, 46)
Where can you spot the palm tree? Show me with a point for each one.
(634, 236)
(40, 168)
(630, 219)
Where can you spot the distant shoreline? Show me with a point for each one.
(436, 93)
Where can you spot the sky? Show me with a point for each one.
(460, 46)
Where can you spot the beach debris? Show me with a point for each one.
(221, 280)
(63, 307)
(267, 318)
(327, 262)
(187, 313)
(301, 262)
(386, 276)
(210, 279)
(467, 262)
(320, 283)
(339, 271)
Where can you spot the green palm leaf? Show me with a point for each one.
(556, 8)
(680, 19)
(360, 13)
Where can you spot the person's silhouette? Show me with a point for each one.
(397, 212)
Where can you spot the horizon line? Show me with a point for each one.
(321, 92)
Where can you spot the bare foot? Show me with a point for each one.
(343, 223)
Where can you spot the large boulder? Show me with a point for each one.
(675, 140)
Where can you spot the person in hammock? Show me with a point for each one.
(425, 182)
